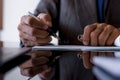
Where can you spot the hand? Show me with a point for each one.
(33, 32)
(100, 34)
(37, 64)
(87, 57)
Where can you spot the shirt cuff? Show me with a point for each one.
(117, 41)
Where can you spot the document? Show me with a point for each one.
(77, 48)
(109, 66)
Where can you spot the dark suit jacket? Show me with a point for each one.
(71, 16)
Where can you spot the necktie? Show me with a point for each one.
(100, 5)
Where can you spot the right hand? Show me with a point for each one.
(33, 32)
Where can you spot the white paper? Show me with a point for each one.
(111, 65)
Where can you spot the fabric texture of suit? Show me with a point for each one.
(69, 17)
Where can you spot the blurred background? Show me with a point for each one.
(10, 14)
(12, 10)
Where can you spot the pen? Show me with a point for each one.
(50, 31)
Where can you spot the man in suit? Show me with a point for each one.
(97, 21)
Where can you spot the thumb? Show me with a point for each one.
(46, 18)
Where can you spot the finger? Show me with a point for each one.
(25, 28)
(40, 69)
(33, 70)
(32, 31)
(94, 35)
(87, 31)
(26, 36)
(39, 42)
(24, 41)
(86, 60)
(46, 18)
(39, 61)
(105, 34)
(45, 74)
(33, 22)
(44, 40)
(29, 37)
(27, 72)
(92, 54)
(112, 37)
(36, 54)
(27, 43)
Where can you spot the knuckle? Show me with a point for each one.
(103, 24)
(29, 20)
(19, 26)
(96, 23)
(87, 27)
(109, 27)
(22, 18)
(26, 19)
(93, 35)
(43, 15)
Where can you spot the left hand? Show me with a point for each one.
(98, 35)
